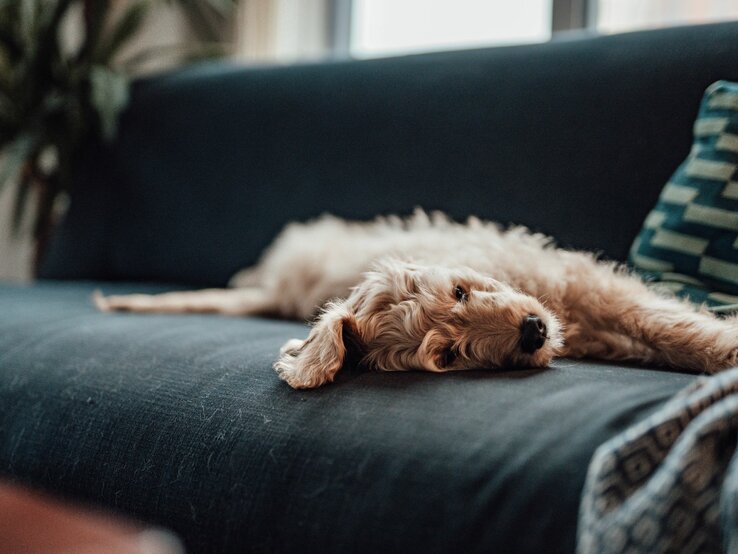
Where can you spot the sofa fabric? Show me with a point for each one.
(574, 138)
(180, 421)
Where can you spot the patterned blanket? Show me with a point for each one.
(669, 483)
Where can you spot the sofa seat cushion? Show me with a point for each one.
(180, 421)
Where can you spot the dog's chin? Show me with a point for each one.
(541, 358)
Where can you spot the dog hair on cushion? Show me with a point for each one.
(425, 292)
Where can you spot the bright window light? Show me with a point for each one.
(615, 16)
(392, 27)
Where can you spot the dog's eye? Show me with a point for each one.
(460, 294)
(448, 357)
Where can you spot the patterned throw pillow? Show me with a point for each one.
(689, 241)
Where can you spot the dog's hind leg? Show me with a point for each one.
(236, 302)
(679, 334)
(246, 278)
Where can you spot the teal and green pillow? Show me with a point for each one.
(689, 241)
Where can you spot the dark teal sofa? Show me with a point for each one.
(181, 422)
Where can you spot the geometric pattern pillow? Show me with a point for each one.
(670, 482)
(689, 241)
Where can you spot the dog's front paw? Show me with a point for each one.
(295, 368)
(728, 361)
(713, 359)
(291, 348)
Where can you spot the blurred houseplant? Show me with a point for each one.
(55, 95)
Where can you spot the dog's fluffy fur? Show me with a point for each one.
(428, 293)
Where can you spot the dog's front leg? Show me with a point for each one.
(582, 341)
(315, 361)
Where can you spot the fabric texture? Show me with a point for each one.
(181, 421)
(574, 138)
(670, 483)
(689, 241)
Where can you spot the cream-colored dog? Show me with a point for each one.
(427, 293)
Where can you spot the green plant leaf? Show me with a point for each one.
(38, 69)
(28, 22)
(95, 14)
(49, 95)
(17, 153)
(9, 42)
(124, 29)
(8, 115)
(176, 53)
(109, 95)
(20, 206)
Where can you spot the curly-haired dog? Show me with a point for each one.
(428, 293)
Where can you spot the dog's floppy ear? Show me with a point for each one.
(436, 352)
(315, 361)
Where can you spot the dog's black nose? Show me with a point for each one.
(532, 334)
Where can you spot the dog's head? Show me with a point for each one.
(405, 316)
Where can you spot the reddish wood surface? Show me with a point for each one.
(32, 523)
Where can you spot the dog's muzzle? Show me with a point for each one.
(532, 334)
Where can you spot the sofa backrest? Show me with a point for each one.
(574, 138)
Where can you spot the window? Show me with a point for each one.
(614, 16)
(291, 30)
(388, 27)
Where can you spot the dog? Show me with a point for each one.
(424, 292)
